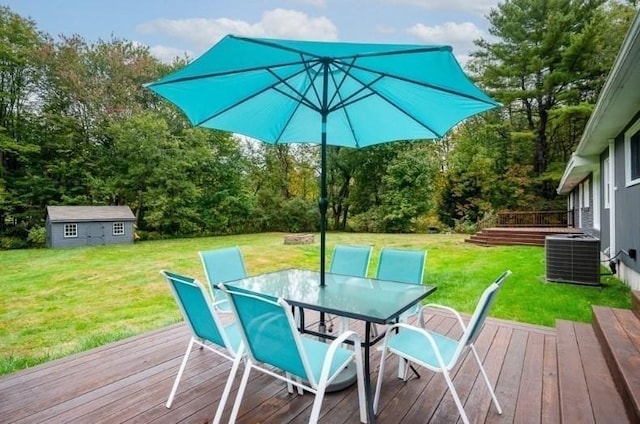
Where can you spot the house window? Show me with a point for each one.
(632, 154)
(70, 230)
(118, 228)
(606, 183)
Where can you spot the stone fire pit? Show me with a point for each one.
(298, 239)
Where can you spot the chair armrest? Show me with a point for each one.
(341, 338)
(335, 345)
(420, 331)
(443, 307)
(220, 302)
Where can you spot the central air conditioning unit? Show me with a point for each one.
(573, 258)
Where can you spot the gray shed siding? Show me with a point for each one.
(93, 228)
(89, 234)
(627, 206)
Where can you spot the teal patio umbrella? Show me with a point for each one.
(328, 93)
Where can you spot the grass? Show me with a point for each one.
(57, 302)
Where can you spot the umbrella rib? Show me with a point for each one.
(426, 85)
(346, 111)
(312, 79)
(346, 73)
(394, 105)
(302, 96)
(269, 87)
(223, 74)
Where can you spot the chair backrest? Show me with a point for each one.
(350, 260)
(405, 266)
(482, 309)
(197, 309)
(222, 265)
(268, 331)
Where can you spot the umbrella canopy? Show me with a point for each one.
(341, 94)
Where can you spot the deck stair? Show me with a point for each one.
(598, 366)
(525, 236)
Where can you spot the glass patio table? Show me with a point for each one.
(365, 299)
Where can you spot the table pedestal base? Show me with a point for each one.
(345, 379)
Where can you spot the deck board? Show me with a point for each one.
(129, 382)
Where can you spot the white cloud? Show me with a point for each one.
(199, 31)
(447, 33)
(458, 35)
(481, 7)
(169, 54)
(202, 33)
(293, 24)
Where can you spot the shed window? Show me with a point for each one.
(70, 230)
(632, 154)
(118, 228)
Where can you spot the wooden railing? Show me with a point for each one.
(528, 219)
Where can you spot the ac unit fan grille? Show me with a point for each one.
(573, 259)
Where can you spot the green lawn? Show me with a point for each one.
(56, 302)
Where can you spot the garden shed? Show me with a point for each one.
(69, 226)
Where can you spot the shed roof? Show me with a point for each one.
(89, 213)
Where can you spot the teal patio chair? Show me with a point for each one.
(271, 338)
(349, 260)
(207, 331)
(220, 266)
(404, 266)
(438, 352)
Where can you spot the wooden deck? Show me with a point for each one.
(129, 381)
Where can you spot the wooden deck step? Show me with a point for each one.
(531, 236)
(619, 333)
(588, 393)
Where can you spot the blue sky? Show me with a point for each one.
(173, 27)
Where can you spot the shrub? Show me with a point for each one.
(37, 236)
(9, 243)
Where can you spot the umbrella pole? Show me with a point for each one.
(323, 182)
(322, 204)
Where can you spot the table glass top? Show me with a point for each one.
(361, 298)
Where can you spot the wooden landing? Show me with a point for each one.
(129, 382)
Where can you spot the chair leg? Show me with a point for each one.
(227, 388)
(486, 380)
(317, 404)
(362, 401)
(289, 385)
(183, 365)
(299, 389)
(241, 390)
(456, 399)
(376, 398)
(403, 368)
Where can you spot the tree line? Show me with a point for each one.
(78, 128)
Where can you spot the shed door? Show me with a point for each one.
(95, 233)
